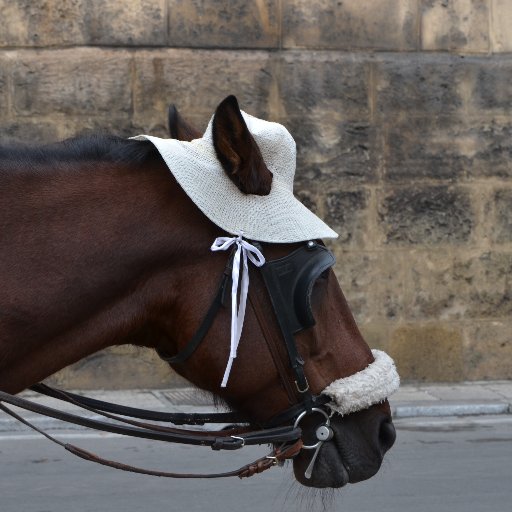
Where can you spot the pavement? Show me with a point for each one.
(411, 401)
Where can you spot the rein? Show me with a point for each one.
(286, 440)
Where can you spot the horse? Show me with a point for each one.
(100, 246)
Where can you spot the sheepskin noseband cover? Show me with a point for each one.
(370, 386)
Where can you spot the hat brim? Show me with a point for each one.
(276, 218)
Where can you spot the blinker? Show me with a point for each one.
(289, 281)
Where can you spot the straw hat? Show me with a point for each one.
(277, 217)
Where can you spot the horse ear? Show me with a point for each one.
(237, 150)
(179, 128)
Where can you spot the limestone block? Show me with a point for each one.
(379, 24)
(426, 215)
(493, 154)
(502, 225)
(428, 84)
(197, 81)
(428, 352)
(447, 148)
(46, 129)
(372, 281)
(332, 151)
(73, 81)
(427, 147)
(377, 334)
(455, 285)
(488, 350)
(29, 131)
(82, 22)
(501, 21)
(43, 23)
(490, 86)
(442, 84)
(316, 84)
(346, 211)
(4, 66)
(125, 22)
(216, 23)
(461, 25)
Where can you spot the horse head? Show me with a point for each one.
(294, 299)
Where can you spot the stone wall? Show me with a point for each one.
(402, 113)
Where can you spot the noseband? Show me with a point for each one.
(289, 282)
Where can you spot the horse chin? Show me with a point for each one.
(328, 470)
(354, 454)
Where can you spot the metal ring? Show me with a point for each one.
(305, 413)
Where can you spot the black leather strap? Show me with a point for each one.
(202, 331)
(133, 412)
(217, 442)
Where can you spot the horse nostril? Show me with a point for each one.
(387, 435)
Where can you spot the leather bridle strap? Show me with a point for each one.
(205, 325)
(278, 455)
(177, 418)
(215, 440)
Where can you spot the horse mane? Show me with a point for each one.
(92, 147)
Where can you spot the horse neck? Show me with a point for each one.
(79, 246)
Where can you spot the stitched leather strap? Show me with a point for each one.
(258, 466)
(176, 418)
(215, 440)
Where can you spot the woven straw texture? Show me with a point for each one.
(278, 217)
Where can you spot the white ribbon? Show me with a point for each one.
(245, 251)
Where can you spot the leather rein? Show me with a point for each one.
(286, 440)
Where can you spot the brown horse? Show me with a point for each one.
(100, 246)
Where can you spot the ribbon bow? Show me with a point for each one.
(245, 251)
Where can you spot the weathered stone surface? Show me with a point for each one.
(461, 25)
(502, 225)
(377, 334)
(428, 147)
(490, 85)
(78, 22)
(48, 22)
(350, 24)
(407, 154)
(501, 21)
(317, 84)
(139, 368)
(331, 151)
(488, 350)
(72, 82)
(4, 65)
(447, 148)
(426, 215)
(125, 22)
(428, 352)
(429, 84)
(493, 153)
(441, 84)
(373, 283)
(37, 130)
(347, 213)
(30, 131)
(216, 24)
(165, 77)
(448, 285)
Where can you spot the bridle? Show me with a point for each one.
(289, 282)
